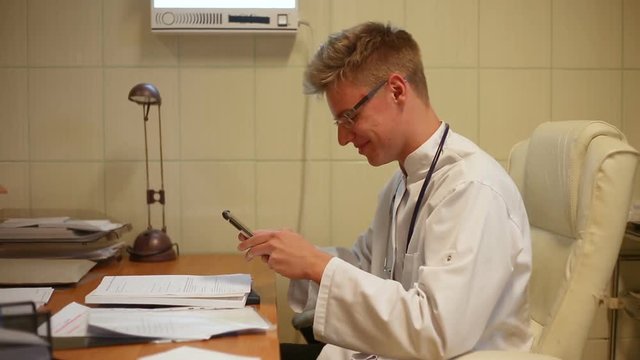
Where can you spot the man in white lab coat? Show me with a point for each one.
(444, 267)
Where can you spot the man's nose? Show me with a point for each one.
(345, 135)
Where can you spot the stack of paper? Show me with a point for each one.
(58, 230)
(213, 291)
(61, 238)
(29, 228)
(178, 324)
(35, 233)
(98, 250)
(61, 222)
(36, 221)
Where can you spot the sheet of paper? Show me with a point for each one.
(39, 295)
(176, 324)
(72, 320)
(193, 353)
(61, 222)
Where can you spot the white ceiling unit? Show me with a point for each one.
(239, 16)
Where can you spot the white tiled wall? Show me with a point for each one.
(586, 33)
(239, 134)
(447, 31)
(512, 103)
(14, 129)
(69, 107)
(13, 34)
(587, 94)
(515, 33)
(65, 33)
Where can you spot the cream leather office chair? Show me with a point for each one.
(576, 181)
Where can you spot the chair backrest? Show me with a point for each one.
(576, 180)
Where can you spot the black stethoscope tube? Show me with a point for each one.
(427, 179)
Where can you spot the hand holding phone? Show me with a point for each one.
(236, 223)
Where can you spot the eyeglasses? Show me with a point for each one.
(347, 119)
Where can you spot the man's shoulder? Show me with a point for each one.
(470, 160)
(464, 163)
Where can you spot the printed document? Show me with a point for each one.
(214, 291)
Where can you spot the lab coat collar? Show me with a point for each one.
(417, 163)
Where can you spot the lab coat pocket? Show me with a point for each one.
(412, 263)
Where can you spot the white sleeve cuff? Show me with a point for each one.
(323, 293)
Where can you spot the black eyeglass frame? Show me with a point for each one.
(347, 118)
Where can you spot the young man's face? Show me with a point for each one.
(374, 131)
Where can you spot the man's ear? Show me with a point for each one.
(398, 87)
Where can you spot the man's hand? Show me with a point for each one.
(286, 252)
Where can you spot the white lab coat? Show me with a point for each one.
(462, 284)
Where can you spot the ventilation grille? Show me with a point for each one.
(199, 18)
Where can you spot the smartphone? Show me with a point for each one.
(236, 223)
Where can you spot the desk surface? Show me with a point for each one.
(263, 345)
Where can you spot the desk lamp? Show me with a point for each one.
(151, 244)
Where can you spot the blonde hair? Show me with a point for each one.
(366, 54)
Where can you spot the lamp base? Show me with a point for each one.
(152, 245)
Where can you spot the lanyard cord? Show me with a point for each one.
(427, 179)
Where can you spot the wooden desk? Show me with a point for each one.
(263, 345)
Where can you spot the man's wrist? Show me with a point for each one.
(318, 267)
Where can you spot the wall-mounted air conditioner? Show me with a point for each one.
(266, 16)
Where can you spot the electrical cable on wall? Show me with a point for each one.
(305, 123)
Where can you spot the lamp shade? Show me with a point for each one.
(145, 94)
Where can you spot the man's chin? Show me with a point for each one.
(375, 162)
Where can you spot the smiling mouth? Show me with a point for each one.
(361, 147)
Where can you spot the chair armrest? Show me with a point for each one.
(504, 355)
